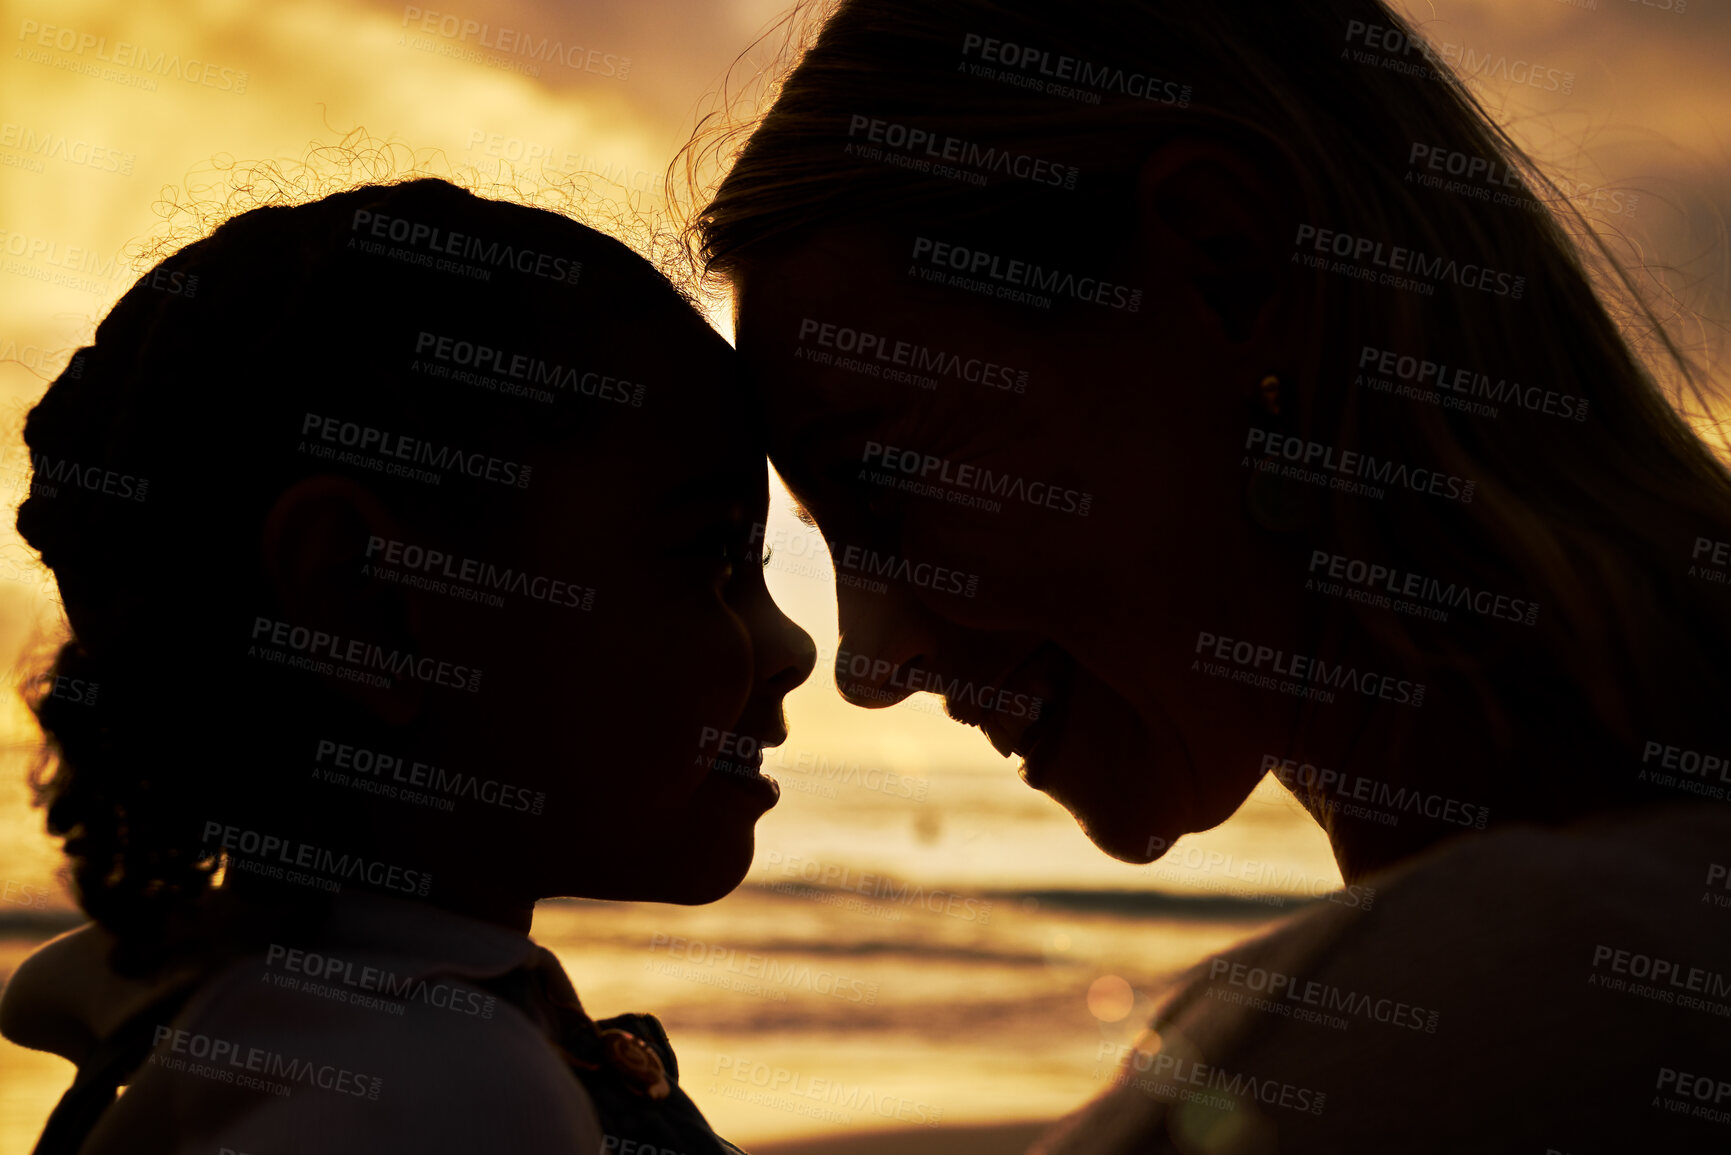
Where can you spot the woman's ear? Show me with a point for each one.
(315, 550)
(1212, 216)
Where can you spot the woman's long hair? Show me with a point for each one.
(1593, 519)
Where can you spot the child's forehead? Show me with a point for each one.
(681, 395)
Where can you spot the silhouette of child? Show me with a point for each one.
(406, 541)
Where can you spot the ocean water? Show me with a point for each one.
(961, 958)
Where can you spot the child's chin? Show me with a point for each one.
(707, 876)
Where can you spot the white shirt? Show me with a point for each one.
(374, 1039)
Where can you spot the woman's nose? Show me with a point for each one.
(882, 638)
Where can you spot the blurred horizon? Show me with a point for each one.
(103, 161)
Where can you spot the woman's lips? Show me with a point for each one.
(1044, 678)
(1042, 739)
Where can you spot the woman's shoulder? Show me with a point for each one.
(1539, 923)
(1528, 890)
(1492, 987)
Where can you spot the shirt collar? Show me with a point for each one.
(419, 938)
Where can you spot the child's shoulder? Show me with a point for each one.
(390, 1042)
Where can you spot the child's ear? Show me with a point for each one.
(314, 548)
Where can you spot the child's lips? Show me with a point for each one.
(744, 773)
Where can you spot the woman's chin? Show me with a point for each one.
(1136, 834)
(1106, 768)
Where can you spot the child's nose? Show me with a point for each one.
(793, 657)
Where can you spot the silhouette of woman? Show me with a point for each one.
(405, 538)
(1252, 375)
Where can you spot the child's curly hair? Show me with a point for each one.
(159, 450)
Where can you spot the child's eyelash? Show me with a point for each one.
(736, 552)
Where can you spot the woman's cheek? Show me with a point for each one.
(963, 579)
